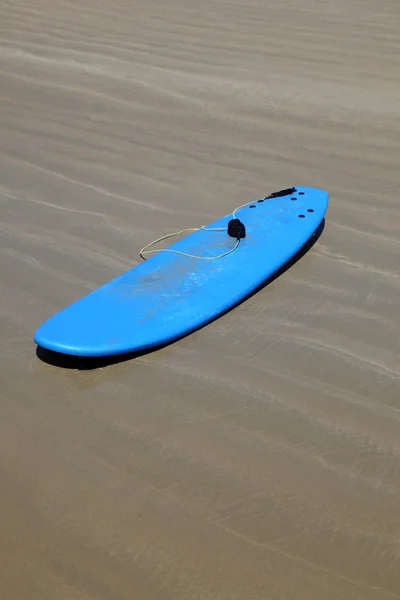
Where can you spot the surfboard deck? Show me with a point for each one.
(170, 295)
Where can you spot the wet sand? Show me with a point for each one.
(259, 457)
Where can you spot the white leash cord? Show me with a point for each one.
(145, 250)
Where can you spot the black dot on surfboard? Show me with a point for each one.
(293, 198)
(262, 200)
(301, 216)
(301, 193)
(310, 210)
(252, 205)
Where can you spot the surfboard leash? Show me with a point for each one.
(235, 229)
(169, 235)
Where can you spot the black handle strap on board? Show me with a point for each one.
(281, 193)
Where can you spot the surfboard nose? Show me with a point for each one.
(51, 335)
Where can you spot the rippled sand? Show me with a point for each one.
(259, 457)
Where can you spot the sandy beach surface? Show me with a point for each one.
(259, 457)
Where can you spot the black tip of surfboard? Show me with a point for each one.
(282, 193)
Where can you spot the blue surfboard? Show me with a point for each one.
(174, 293)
